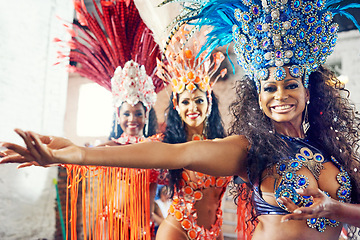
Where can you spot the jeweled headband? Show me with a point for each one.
(131, 84)
(273, 33)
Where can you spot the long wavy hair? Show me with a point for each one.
(116, 130)
(175, 132)
(334, 126)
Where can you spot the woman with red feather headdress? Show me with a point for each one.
(117, 51)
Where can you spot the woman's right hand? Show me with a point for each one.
(40, 150)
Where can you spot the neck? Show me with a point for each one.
(289, 129)
(191, 131)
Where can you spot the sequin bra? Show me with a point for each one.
(182, 207)
(313, 159)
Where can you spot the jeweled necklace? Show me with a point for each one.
(198, 137)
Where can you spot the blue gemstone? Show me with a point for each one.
(276, 26)
(297, 4)
(332, 221)
(318, 157)
(296, 70)
(301, 181)
(300, 53)
(324, 39)
(290, 41)
(248, 47)
(308, 204)
(306, 153)
(255, 43)
(294, 22)
(301, 158)
(265, 43)
(294, 164)
(343, 179)
(282, 167)
(246, 17)
(322, 224)
(306, 197)
(327, 18)
(289, 175)
(255, 10)
(286, 194)
(333, 29)
(313, 220)
(333, 41)
(308, 8)
(259, 27)
(311, 20)
(319, 3)
(324, 50)
(318, 30)
(344, 192)
(302, 35)
(311, 60)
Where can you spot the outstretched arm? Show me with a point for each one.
(323, 206)
(220, 157)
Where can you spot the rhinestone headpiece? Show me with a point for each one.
(131, 84)
(300, 34)
(184, 68)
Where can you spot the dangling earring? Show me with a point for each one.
(147, 123)
(305, 123)
(178, 110)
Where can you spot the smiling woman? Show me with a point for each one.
(284, 101)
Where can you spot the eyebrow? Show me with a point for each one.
(194, 98)
(287, 80)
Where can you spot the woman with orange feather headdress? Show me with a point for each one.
(117, 51)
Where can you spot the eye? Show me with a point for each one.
(199, 101)
(185, 102)
(126, 114)
(269, 89)
(138, 114)
(292, 86)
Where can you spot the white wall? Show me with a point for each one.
(32, 96)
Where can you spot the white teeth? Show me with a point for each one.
(282, 107)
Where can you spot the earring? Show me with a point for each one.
(305, 123)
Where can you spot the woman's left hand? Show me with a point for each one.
(323, 206)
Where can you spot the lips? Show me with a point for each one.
(132, 126)
(282, 108)
(193, 115)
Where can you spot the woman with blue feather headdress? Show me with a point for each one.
(295, 135)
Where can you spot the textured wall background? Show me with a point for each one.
(32, 96)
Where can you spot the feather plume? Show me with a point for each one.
(110, 37)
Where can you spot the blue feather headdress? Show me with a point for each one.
(300, 34)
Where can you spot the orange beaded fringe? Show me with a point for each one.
(115, 202)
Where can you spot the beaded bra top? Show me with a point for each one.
(305, 155)
(182, 207)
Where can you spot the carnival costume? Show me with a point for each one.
(185, 71)
(117, 52)
(300, 34)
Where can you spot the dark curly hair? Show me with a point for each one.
(116, 130)
(334, 125)
(175, 132)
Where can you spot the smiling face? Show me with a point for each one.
(132, 119)
(283, 101)
(193, 108)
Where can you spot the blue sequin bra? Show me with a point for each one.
(305, 155)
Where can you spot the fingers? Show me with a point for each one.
(315, 192)
(15, 154)
(290, 205)
(28, 142)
